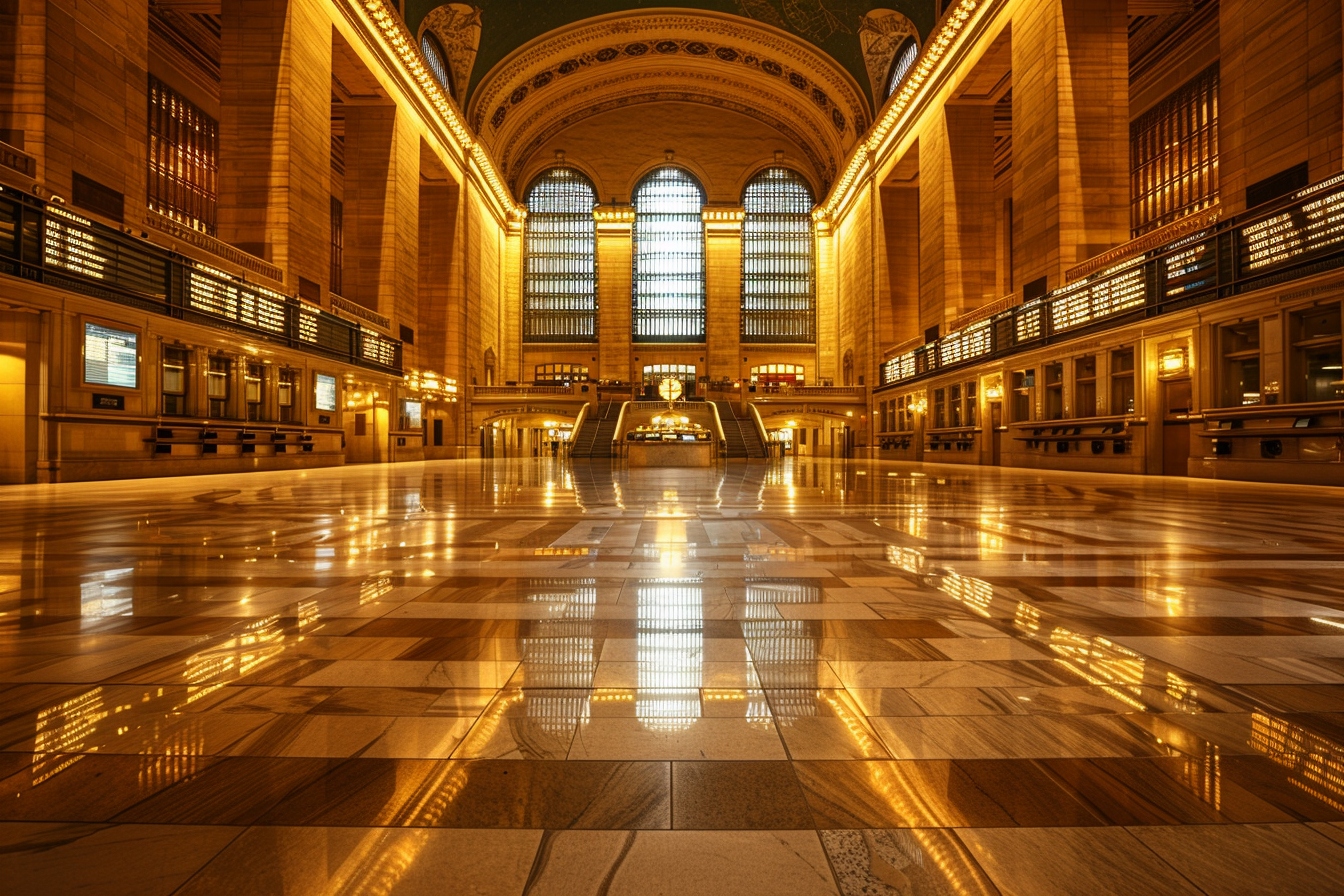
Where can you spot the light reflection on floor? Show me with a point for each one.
(806, 677)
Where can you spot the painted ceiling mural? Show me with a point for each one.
(833, 26)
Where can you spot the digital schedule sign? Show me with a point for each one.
(110, 356)
(326, 392)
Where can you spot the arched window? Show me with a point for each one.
(437, 60)
(777, 272)
(901, 64)
(559, 269)
(669, 259)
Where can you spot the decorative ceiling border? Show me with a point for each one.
(823, 168)
(651, 28)
(725, 53)
(600, 96)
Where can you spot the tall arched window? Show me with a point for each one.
(669, 259)
(901, 64)
(778, 302)
(437, 60)
(559, 269)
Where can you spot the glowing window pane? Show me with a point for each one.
(436, 59)
(669, 259)
(778, 294)
(560, 272)
(905, 60)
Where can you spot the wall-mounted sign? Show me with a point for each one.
(110, 356)
(109, 402)
(326, 392)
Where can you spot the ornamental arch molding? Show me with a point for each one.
(634, 58)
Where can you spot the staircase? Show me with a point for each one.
(593, 440)
(742, 439)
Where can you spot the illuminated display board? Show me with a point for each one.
(110, 357)
(326, 392)
(413, 412)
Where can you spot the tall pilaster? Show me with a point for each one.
(723, 291)
(1070, 62)
(615, 229)
(275, 133)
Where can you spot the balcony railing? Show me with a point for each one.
(47, 244)
(1298, 236)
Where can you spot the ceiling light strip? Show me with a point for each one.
(397, 39)
(935, 52)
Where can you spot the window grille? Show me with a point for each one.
(437, 60)
(183, 159)
(902, 63)
(1173, 155)
(560, 273)
(777, 270)
(669, 259)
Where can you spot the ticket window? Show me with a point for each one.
(286, 389)
(217, 385)
(254, 382)
(174, 381)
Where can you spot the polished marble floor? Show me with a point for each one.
(530, 678)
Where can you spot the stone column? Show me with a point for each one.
(723, 292)
(275, 133)
(956, 214)
(1280, 99)
(615, 227)
(1070, 63)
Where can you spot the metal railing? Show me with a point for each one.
(47, 244)
(1295, 237)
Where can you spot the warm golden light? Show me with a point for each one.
(1172, 361)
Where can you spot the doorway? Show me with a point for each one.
(1176, 400)
(996, 430)
(19, 340)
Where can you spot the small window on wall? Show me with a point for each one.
(253, 389)
(1316, 362)
(791, 374)
(111, 357)
(939, 408)
(972, 407)
(1023, 382)
(954, 405)
(217, 386)
(1085, 386)
(174, 381)
(1239, 382)
(905, 414)
(1054, 391)
(324, 392)
(284, 394)
(1122, 381)
(560, 373)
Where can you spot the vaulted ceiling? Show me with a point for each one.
(832, 26)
